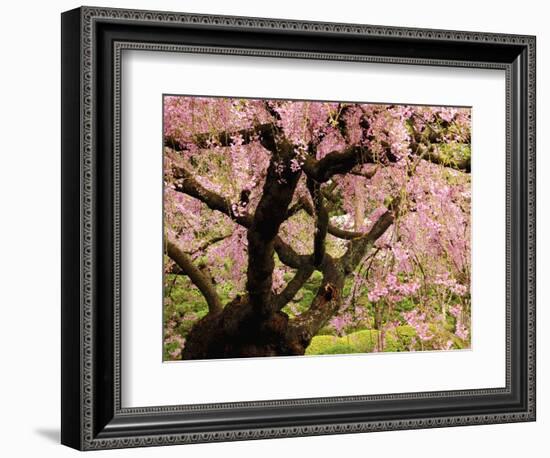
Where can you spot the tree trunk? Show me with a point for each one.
(237, 331)
(242, 330)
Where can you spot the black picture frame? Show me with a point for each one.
(92, 416)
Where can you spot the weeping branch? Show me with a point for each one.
(343, 162)
(328, 298)
(212, 241)
(343, 234)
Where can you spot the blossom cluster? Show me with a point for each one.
(417, 320)
(392, 289)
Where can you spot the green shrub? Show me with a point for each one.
(320, 344)
(357, 342)
(341, 349)
(364, 341)
(399, 339)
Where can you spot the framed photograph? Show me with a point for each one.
(276, 228)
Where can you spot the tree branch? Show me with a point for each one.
(207, 244)
(365, 173)
(188, 185)
(336, 162)
(199, 279)
(324, 305)
(212, 241)
(288, 256)
(184, 182)
(329, 295)
(424, 144)
(343, 162)
(430, 153)
(331, 229)
(224, 138)
(292, 287)
(278, 190)
(359, 247)
(321, 222)
(270, 213)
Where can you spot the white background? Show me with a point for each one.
(30, 245)
(149, 74)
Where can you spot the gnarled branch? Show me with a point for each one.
(184, 182)
(270, 213)
(325, 304)
(289, 256)
(207, 244)
(199, 279)
(336, 162)
(293, 286)
(321, 222)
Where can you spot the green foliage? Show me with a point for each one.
(357, 342)
(445, 334)
(169, 347)
(399, 339)
(184, 305)
(320, 344)
(406, 305)
(341, 349)
(453, 153)
(305, 296)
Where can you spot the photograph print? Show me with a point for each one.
(303, 228)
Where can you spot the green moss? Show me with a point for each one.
(357, 342)
(320, 344)
(341, 349)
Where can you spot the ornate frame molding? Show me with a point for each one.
(83, 23)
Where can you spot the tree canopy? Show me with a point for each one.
(368, 203)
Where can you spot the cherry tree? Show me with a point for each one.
(261, 194)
